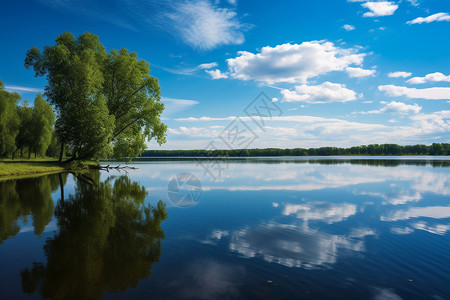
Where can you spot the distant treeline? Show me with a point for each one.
(375, 149)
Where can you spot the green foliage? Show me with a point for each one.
(106, 103)
(107, 241)
(375, 149)
(36, 127)
(42, 126)
(25, 136)
(9, 121)
(21, 198)
(134, 99)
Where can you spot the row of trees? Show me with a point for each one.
(23, 127)
(375, 149)
(106, 103)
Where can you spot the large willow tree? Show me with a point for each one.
(106, 103)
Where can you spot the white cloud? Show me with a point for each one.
(401, 231)
(396, 107)
(359, 72)
(434, 93)
(414, 2)
(292, 62)
(325, 93)
(204, 26)
(207, 66)
(433, 77)
(399, 74)
(379, 9)
(18, 89)
(440, 229)
(439, 17)
(216, 74)
(434, 212)
(348, 27)
(326, 212)
(190, 70)
(291, 246)
(173, 105)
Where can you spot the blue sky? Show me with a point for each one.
(339, 72)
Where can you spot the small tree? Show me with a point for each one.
(42, 123)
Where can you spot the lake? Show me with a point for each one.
(251, 228)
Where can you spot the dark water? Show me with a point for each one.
(271, 228)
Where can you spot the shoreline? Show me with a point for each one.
(18, 169)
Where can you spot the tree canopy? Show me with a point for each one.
(107, 103)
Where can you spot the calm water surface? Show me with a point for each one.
(273, 228)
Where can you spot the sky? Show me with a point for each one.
(256, 74)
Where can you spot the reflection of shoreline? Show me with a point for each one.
(387, 161)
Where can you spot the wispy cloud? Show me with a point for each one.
(173, 105)
(439, 17)
(18, 89)
(205, 26)
(188, 70)
(199, 23)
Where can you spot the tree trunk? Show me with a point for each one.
(61, 152)
(29, 153)
(74, 156)
(21, 152)
(61, 187)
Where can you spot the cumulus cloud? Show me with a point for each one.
(399, 74)
(434, 93)
(292, 62)
(433, 77)
(205, 26)
(439, 17)
(379, 9)
(216, 74)
(359, 72)
(324, 93)
(348, 27)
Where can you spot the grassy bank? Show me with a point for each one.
(13, 169)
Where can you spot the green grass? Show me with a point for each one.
(14, 169)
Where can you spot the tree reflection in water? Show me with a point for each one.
(21, 198)
(107, 241)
